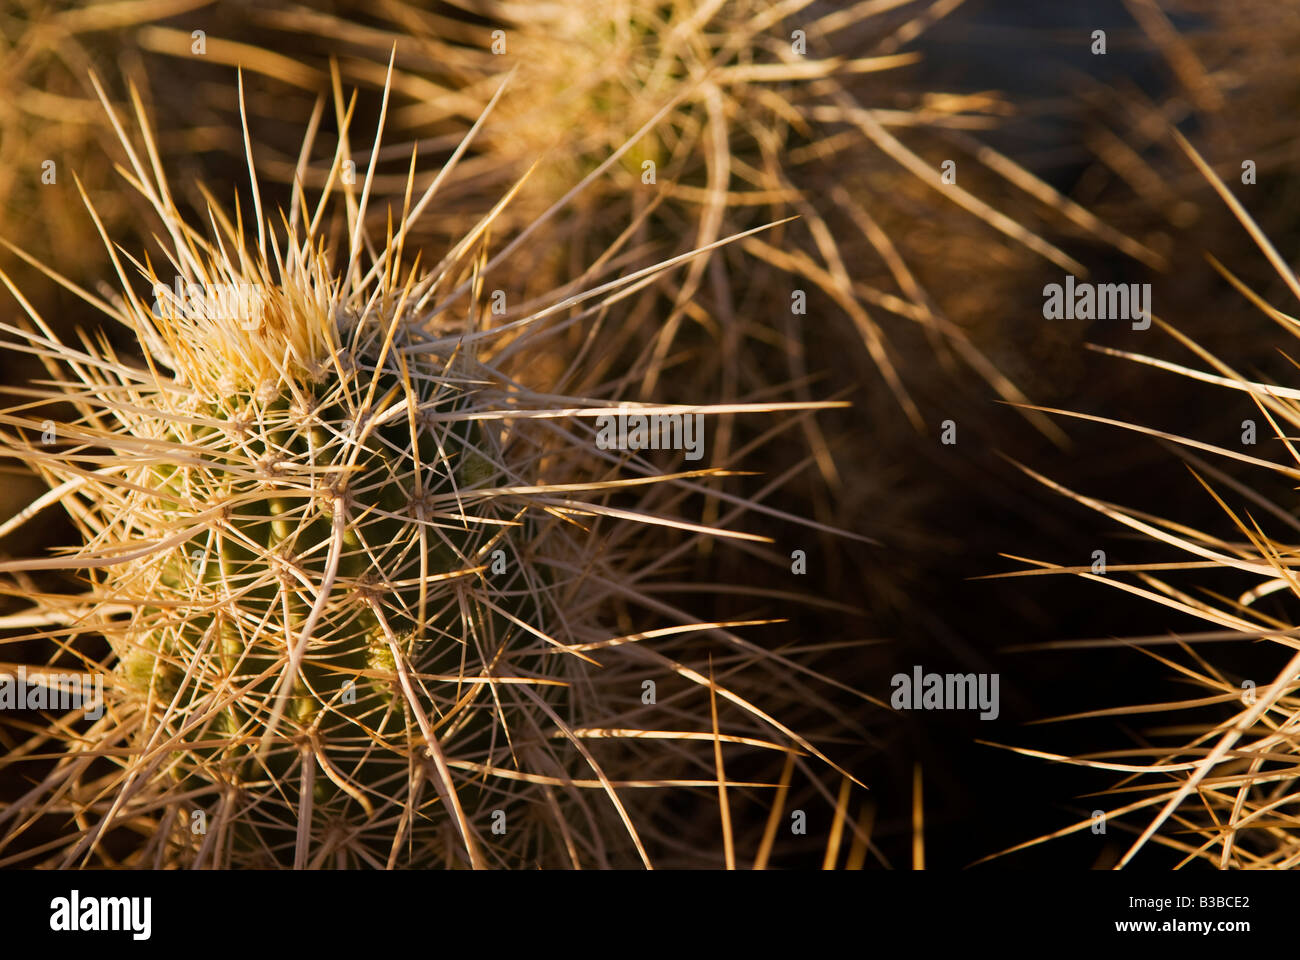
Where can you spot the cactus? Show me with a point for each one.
(352, 574)
(341, 536)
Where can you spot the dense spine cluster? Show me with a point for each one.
(365, 594)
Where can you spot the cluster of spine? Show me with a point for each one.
(368, 600)
(1214, 776)
(688, 122)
